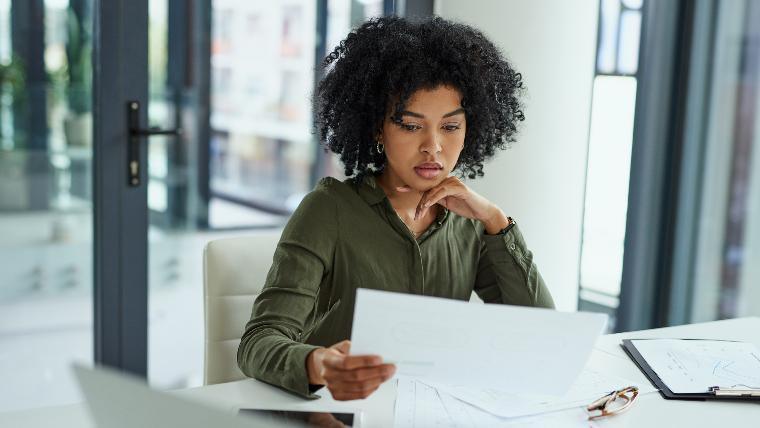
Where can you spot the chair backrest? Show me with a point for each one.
(234, 270)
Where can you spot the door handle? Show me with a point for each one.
(135, 135)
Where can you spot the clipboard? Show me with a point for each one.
(713, 393)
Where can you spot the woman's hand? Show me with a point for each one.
(454, 195)
(347, 377)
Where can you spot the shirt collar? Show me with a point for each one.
(373, 194)
(370, 191)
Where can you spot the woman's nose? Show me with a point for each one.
(431, 144)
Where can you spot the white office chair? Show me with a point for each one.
(234, 270)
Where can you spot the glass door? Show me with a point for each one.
(46, 199)
(103, 222)
(237, 77)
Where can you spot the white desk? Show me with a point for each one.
(650, 410)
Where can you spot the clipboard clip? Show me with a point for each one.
(734, 391)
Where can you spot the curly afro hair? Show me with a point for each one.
(386, 60)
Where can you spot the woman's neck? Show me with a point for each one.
(402, 202)
(405, 204)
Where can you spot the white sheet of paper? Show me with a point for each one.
(589, 386)
(421, 406)
(511, 348)
(695, 365)
(418, 405)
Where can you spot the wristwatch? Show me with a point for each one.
(511, 224)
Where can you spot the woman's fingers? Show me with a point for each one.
(343, 388)
(345, 396)
(353, 378)
(431, 197)
(343, 346)
(364, 386)
(349, 377)
(339, 361)
(360, 375)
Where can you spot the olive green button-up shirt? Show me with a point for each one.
(346, 235)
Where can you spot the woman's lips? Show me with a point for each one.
(428, 170)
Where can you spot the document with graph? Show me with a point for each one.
(694, 366)
(511, 348)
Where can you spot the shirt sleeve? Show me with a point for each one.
(271, 348)
(507, 273)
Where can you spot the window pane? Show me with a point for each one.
(608, 36)
(609, 161)
(633, 4)
(45, 200)
(263, 74)
(727, 271)
(628, 53)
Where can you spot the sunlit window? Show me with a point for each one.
(263, 155)
(609, 154)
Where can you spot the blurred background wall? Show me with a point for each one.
(540, 181)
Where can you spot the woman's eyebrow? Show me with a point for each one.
(455, 112)
(422, 116)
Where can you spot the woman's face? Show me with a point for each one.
(423, 149)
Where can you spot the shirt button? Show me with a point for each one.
(512, 246)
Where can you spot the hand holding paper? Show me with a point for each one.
(511, 348)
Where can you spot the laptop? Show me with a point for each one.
(117, 400)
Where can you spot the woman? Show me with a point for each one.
(404, 104)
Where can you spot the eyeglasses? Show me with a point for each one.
(614, 403)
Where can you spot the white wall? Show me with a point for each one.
(540, 180)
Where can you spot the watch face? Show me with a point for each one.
(509, 226)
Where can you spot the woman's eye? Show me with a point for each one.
(451, 128)
(409, 126)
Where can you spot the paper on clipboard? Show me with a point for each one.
(693, 366)
(512, 348)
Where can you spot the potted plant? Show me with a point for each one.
(12, 93)
(78, 123)
(13, 184)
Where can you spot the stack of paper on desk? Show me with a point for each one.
(443, 341)
(589, 386)
(419, 405)
(422, 405)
